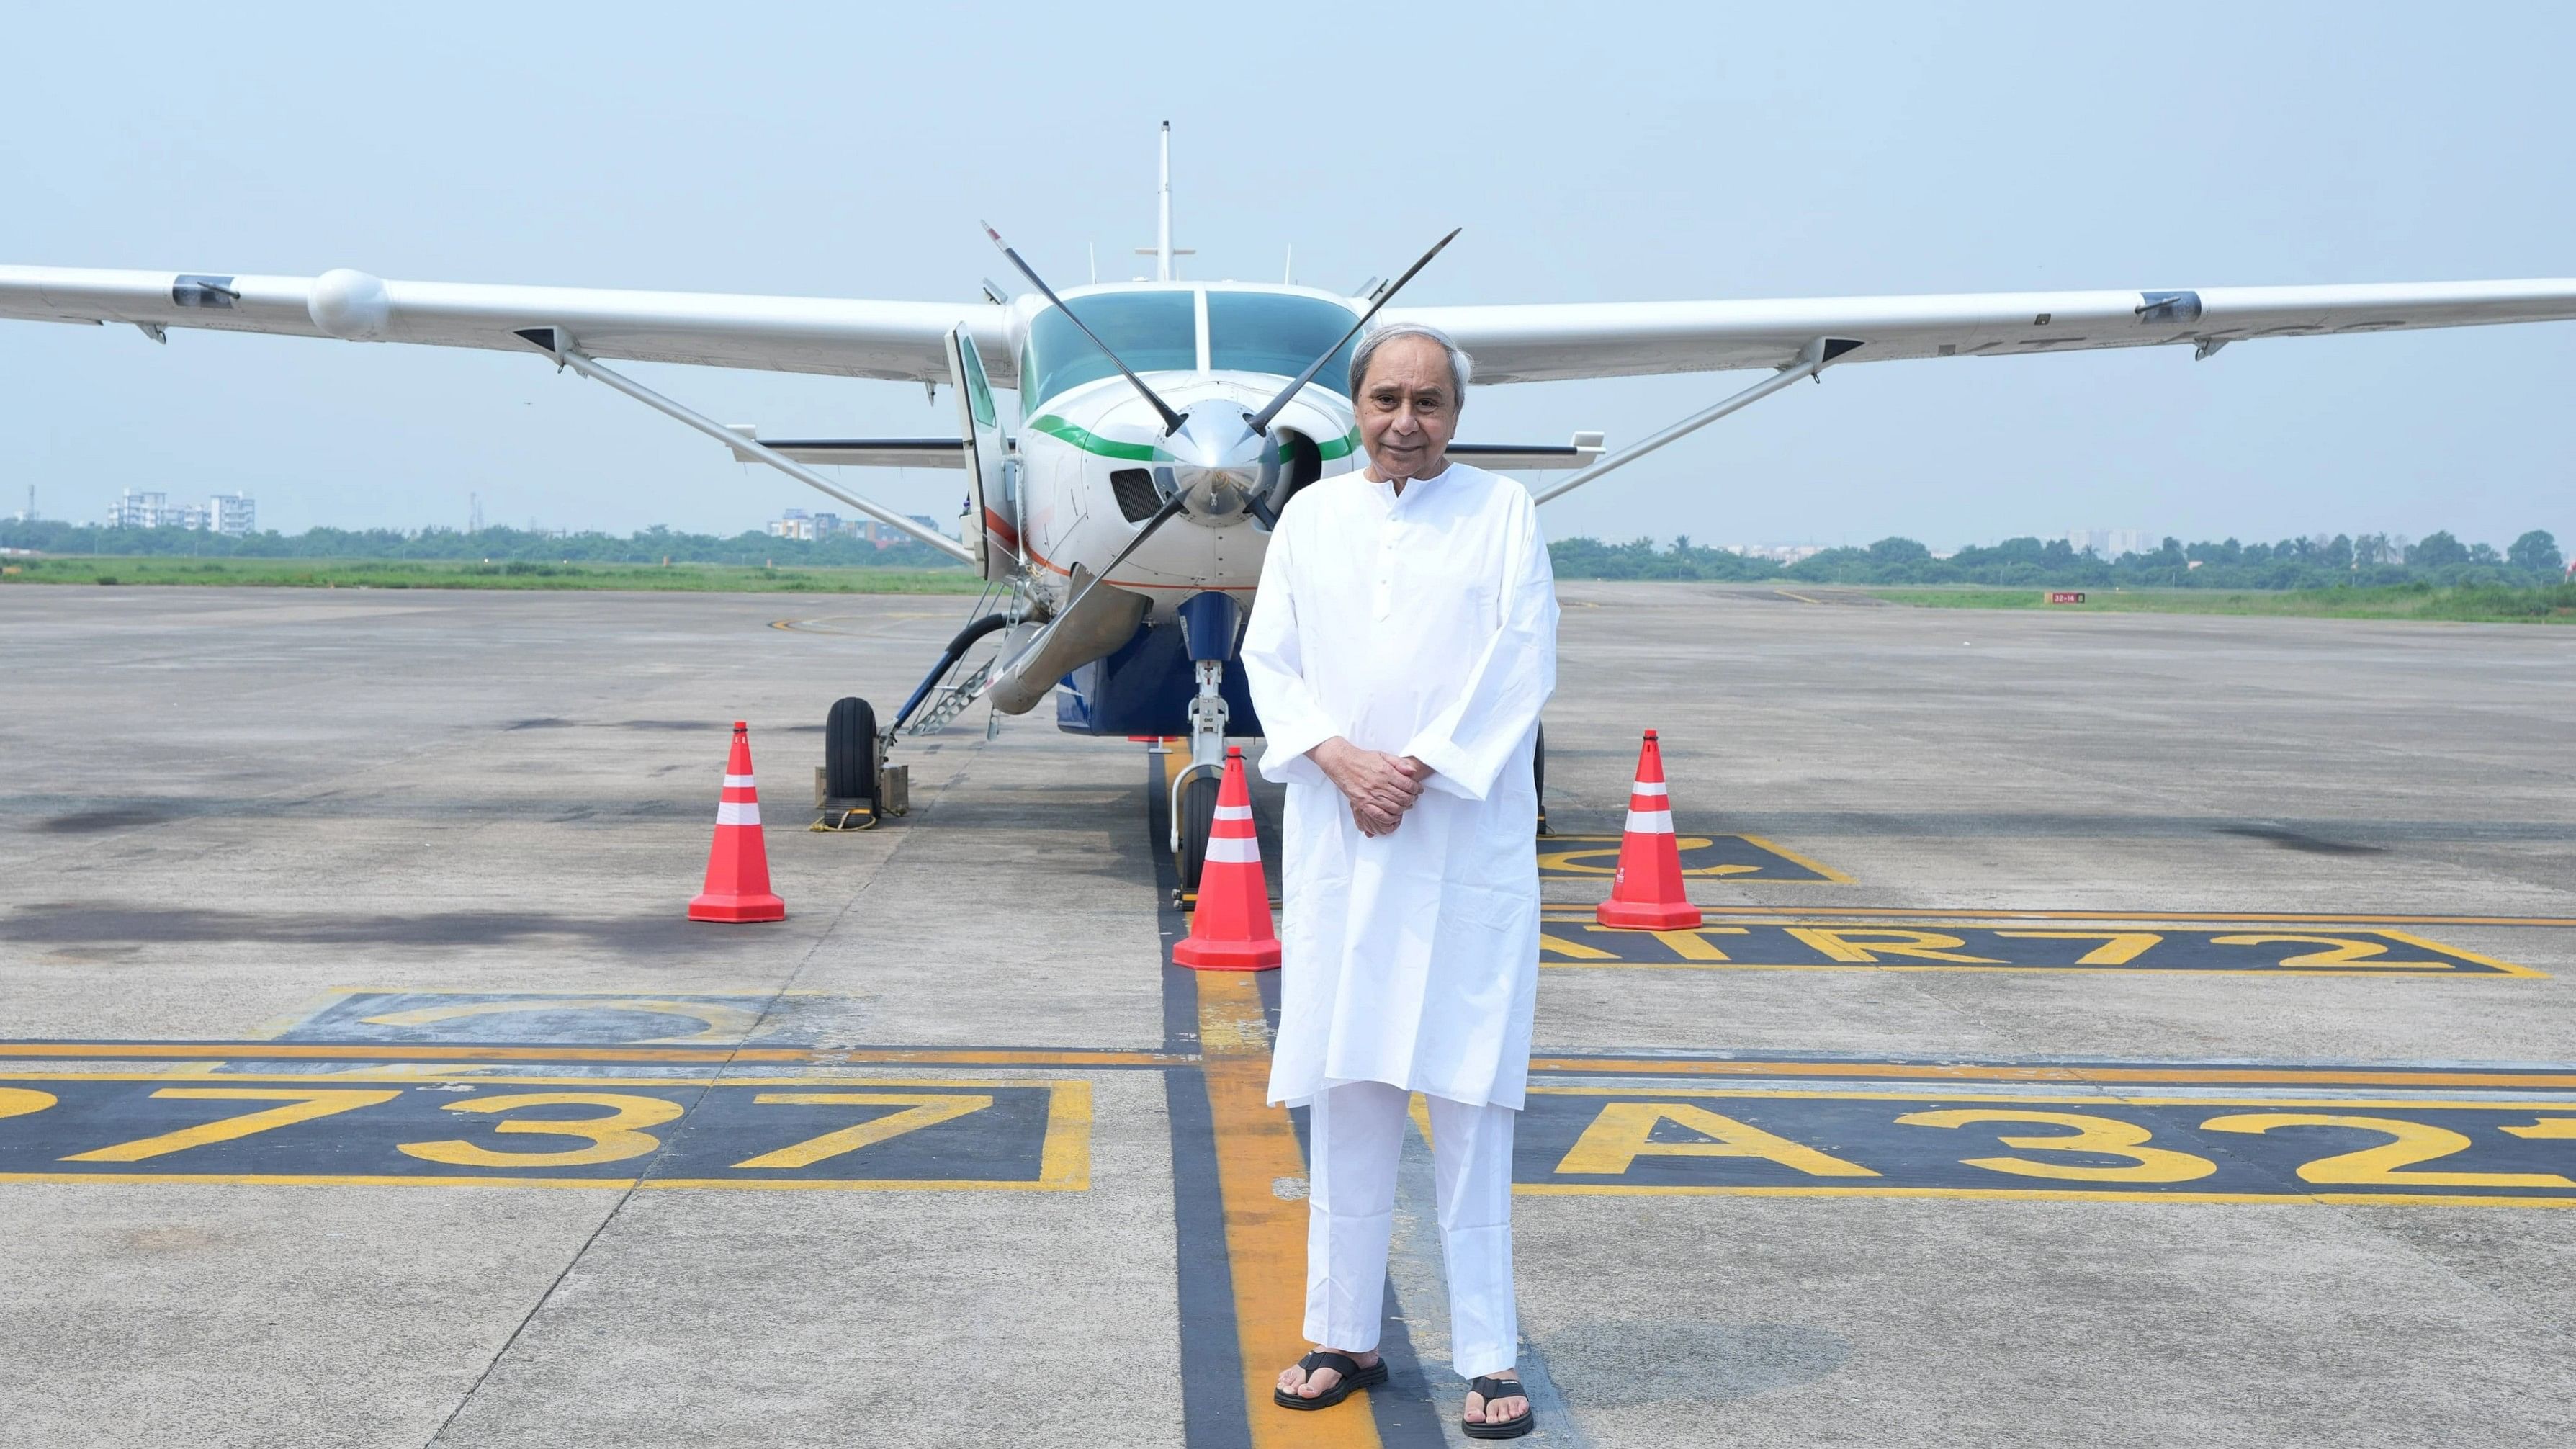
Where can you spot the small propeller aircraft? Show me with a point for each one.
(1210, 403)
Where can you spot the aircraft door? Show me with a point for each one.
(992, 524)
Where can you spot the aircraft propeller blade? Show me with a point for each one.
(1171, 419)
(1260, 421)
(1161, 516)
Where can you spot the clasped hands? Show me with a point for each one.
(1380, 787)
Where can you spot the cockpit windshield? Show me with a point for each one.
(1151, 331)
(1278, 333)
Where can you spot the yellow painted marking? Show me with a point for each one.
(1971, 917)
(240, 1179)
(19, 1101)
(2118, 948)
(1065, 1163)
(1265, 1235)
(2096, 1099)
(618, 1056)
(2420, 943)
(2408, 1143)
(1831, 875)
(2106, 1136)
(614, 1137)
(1622, 1133)
(1693, 945)
(1667, 1067)
(302, 1106)
(2345, 951)
(1976, 1072)
(2412, 1141)
(1916, 966)
(1866, 946)
(919, 1110)
(1574, 950)
(1572, 861)
(716, 1023)
(404, 1073)
(1998, 1194)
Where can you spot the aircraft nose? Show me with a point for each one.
(1217, 463)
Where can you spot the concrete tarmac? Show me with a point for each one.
(387, 866)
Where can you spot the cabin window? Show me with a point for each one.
(1150, 331)
(1278, 333)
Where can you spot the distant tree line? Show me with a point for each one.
(493, 545)
(2293, 563)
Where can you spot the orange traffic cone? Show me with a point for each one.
(738, 863)
(1230, 931)
(1648, 894)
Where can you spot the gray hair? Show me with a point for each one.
(1461, 366)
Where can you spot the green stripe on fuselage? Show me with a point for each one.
(1090, 442)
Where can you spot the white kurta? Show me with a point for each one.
(1419, 624)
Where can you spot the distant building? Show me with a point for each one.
(1782, 553)
(236, 514)
(797, 523)
(2110, 543)
(232, 513)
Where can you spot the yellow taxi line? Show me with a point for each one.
(1265, 1234)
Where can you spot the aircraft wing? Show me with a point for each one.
(843, 337)
(1545, 342)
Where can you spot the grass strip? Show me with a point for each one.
(403, 574)
(2475, 604)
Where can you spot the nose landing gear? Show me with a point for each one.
(1212, 621)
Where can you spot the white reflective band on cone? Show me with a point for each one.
(746, 812)
(1234, 812)
(1643, 788)
(738, 782)
(1246, 851)
(1651, 822)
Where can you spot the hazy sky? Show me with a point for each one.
(1591, 153)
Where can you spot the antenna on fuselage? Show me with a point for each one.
(1162, 251)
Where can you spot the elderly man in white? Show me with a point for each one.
(1401, 644)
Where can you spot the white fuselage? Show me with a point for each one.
(1073, 440)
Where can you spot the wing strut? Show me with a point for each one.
(556, 344)
(1814, 358)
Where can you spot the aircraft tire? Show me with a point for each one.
(850, 750)
(1198, 817)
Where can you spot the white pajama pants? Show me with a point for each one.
(1355, 1134)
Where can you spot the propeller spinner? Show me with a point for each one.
(1217, 463)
